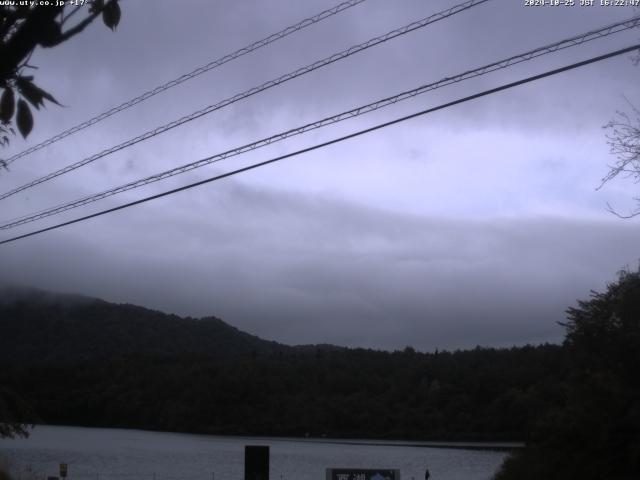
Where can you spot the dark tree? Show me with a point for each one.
(16, 416)
(23, 28)
(92, 363)
(595, 433)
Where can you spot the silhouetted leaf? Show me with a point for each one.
(24, 119)
(48, 96)
(96, 6)
(111, 14)
(49, 33)
(7, 105)
(33, 93)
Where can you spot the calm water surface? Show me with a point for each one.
(111, 454)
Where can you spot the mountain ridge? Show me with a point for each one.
(95, 363)
(40, 325)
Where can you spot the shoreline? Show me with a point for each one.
(440, 444)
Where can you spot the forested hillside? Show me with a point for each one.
(40, 326)
(80, 361)
(89, 362)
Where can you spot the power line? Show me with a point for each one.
(188, 76)
(513, 60)
(333, 141)
(272, 83)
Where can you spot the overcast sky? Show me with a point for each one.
(479, 224)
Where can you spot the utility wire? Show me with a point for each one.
(361, 110)
(333, 141)
(188, 76)
(272, 83)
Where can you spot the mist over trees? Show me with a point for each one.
(99, 364)
(577, 405)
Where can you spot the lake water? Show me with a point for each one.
(113, 454)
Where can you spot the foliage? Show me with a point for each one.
(24, 27)
(75, 330)
(482, 394)
(100, 364)
(15, 415)
(595, 433)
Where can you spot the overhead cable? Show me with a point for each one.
(330, 142)
(188, 76)
(252, 91)
(355, 112)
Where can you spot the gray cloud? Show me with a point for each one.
(476, 225)
(300, 268)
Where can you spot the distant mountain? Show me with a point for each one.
(83, 361)
(36, 325)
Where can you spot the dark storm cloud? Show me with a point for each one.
(476, 225)
(156, 45)
(300, 269)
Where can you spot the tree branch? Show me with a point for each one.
(73, 12)
(26, 38)
(78, 28)
(633, 214)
